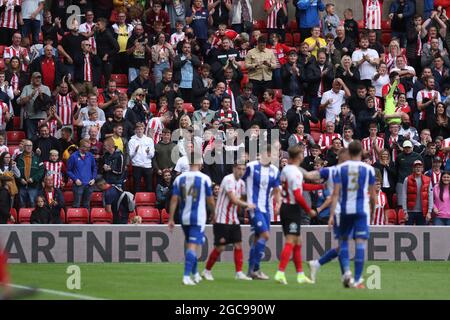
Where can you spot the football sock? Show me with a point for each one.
(213, 256)
(285, 256)
(251, 259)
(344, 259)
(359, 260)
(4, 276)
(189, 262)
(238, 259)
(328, 256)
(259, 251)
(298, 258)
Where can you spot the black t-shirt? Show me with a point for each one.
(398, 24)
(138, 57)
(351, 29)
(72, 44)
(378, 47)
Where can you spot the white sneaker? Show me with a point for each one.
(259, 275)
(314, 266)
(187, 281)
(241, 276)
(197, 278)
(207, 275)
(347, 279)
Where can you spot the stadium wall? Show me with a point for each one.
(154, 243)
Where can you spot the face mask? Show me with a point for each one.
(406, 126)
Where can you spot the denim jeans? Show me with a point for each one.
(27, 196)
(33, 27)
(82, 196)
(158, 70)
(441, 221)
(415, 218)
(133, 73)
(31, 126)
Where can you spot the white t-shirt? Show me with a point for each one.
(379, 84)
(366, 70)
(28, 7)
(409, 94)
(87, 124)
(182, 164)
(334, 108)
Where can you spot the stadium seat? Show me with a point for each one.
(100, 216)
(68, 198)
(289, 40)
(153, 108)
(316, 136)
(164, 216)
(278, 95)
(315, 127)
(25, 215)
(297, 38)
(2, 64)
(188, 107)
(149, 215)
(131, 216)
(16, 123)
(361, 24)
(145, 199)
(12, 149)
(13, 212)
(68, 185)
(97, 200)
(401, 216)
(260, 25)
(293, 26)
(122, 90)
(323, 125)
(14, 137)
(77, 216)
(392, 216)
(62, 215)
(2, 50)
(121, 80)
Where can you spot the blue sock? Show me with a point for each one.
(344, 259)
(328, 256)
(189, 262)
(251, 259)
(194, 266)
(259, 251)
(359, 260)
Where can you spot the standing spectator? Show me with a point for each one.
(299, 114)
(82, 169)
(51, 68)
(142, 81)
(102, 8)
(107, 47)
(343, 42)
(141, 150)
(27, 99)
(226, 115)
(388, 174)
(251, 117)
(270, 106)
(122, 32)
(162, 56)
(401, 13)
(276, 11)
(435, 172)
(44, 143)
(138, 51)
(163, 190)
(70, 47)
(113, 163)
(247, 95)
(441, 201)
(117, 119)
(110, 99)
(204, 116)
(326, 139)
(348, 73)
(292, 76)
(156, 13)
(260, 63)
(31, 173)
(308, 16)
(379, 216)
(8, 168)
(373, 13)
(10, 19)
(111, 196)
(163, 154)
(167, 88)
(242, 16)
(88, 29)
(380, 79)
(177, 13)
(373, 144)
(350, 25)
(202, 84)
(414, 35)
(87, 65)
(404, 167)
(315, 41)
(199, 19)
(417, 199)
(219, 11)
(31, 15)
(330, 20)
(17, 50)
(53, 199)
(333, 99)
(185, 65)
(366, 60)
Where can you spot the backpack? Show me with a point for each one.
(130, 204)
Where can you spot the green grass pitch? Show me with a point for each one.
(399, 280)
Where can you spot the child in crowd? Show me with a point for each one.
(163, 189)
(178, 35)
(3, 147)
(350, 25)
(380, 215)
(41, 213)
(55, 168)
(330, 20)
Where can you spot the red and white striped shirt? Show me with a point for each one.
(54, 169)
(368, 146)
(435, 177)
(326, 140)
(8, 18)
(154, 129)
(52, 126)
(301, 138)
(227, 211)
(85, 28)
(15, 81)
(87, 68)
(426, 94)
(291, 180)
(10, 52)
(4, 108)
(380, 204)
(373, 11)
(392, 140)
(272, 17)
(64, 108)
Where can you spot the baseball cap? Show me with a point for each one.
(407, 143)
(36, 74)
(437, 159)
(418, 162)
(292, 51)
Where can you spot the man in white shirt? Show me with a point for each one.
(333, 99)
(366, 60)
(142, 150)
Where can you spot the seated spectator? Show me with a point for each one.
(246, 95)
(163, 189)
(202, 85)
(87, 65)
(118, 118)
(204, 115)
(345, 119)
(270, 105)
(226, 115)
(55, 169)
(53, 199)
(168, 88)
(300, 137)
(41, 214)
(326, 139)
(251, 117)
(113, 163)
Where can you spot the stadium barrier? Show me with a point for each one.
(154, 243)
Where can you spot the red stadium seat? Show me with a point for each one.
(149, 215)
(401, 216)
(323, 125)
(13, 212)
(278, 95)
(289, 40)
(131, 216)
(2, 50)
(297, 39)
(392, 216)
(164, 216)
(293, 26)
(386, 25)
(68, 198)
(2, 64)
(68, 185)
(122, 90)
(145, 199)
(315, 127)
(260, 25)
(16, 123)
(153, 108)
(12, 149)
(77, 216)
(62, 215)
(100, 216)
(188, 107)
(25, 215)
(316, 136)
(361, 24)
(121, 80)
(97, 200)
(386, 37)
(14, 137)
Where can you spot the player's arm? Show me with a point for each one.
(325, 204)
(334, 200)
(277, 197)
(311, 175)
(373, 197)
(239, 202)
(173, 206)
(302, 202)
(212, 207)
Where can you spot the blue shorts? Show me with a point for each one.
(354, 225)
(194, 234)
(260, 222)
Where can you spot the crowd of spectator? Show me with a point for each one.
(114, 94)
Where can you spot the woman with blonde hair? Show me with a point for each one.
(394, 51)
(388, 174)
(138, 106)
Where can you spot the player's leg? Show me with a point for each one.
(4, 276)
(262, 228)
(345, 230)
(361, 235)
(213, 256)
(285, 256)
(194, 236)
(239, 261)
(297, 256)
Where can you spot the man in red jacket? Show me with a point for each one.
(418, 200)
(270, 105)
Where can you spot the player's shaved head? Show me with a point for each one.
(294, 152)
(355, 148)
